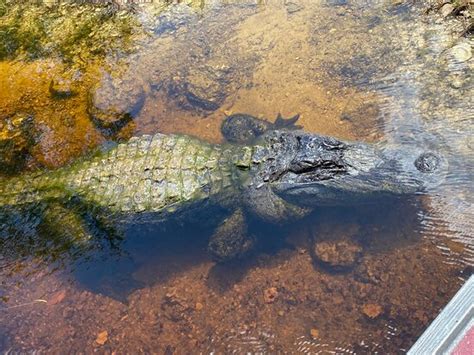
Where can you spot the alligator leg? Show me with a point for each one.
(244, 129)
(98, 224)
(230, 240)
(63, 230)
(74, 231)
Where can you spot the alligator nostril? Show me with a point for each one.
(427, 162)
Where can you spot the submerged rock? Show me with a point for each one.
(337, 2)
(339, 254)
(336, 247)
(61, 88)
(115, 102)
(372, 310)
(203, 88)
(446, 10)
(292, 7)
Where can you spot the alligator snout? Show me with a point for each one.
(325, 173)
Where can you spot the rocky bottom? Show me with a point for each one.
(389, 287)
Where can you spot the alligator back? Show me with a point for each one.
(159, 173)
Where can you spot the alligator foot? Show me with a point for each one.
(244, 129)
(230, 240)
(287, 123)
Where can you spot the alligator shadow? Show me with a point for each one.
(148, 255)
(151, 255)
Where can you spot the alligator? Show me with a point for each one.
(283, 175)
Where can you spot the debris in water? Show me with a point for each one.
(270, 295)
(102, 337)
(57, 297)
(314, 333)
(446, 10)
(372, 310)
(462, 52)
(60, 88)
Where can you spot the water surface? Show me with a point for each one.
(378, 71)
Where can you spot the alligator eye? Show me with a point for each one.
(427, 162)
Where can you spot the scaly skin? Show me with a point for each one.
(284, 175)
(160, 173)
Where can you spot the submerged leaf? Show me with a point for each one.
(102, 337)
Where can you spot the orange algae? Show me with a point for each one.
(63, 125)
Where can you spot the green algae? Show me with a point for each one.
(76, 31)
(73, 32)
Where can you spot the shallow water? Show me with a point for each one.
(371, 71)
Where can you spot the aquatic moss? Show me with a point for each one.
(76, 30)
(72, 31)
(8, 40)
(3, 7)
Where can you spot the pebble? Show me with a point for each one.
(446, 10)
(57, 297)
(314, 333)
(462, 52)
(424, 107)
(102, 337)
(455, 82)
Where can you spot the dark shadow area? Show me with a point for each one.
(151, 254)
(4, 340)
(162, 251)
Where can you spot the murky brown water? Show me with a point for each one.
(372, 71)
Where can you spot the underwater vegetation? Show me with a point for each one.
(71, 31)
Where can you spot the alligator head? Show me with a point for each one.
(297, 169)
